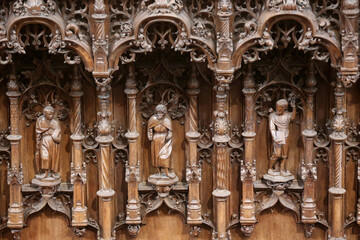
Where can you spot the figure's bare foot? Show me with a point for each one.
(170, 175)
(42, 175)
(55, 175)
(285, 173)
(272, 172)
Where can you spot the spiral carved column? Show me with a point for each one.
(132, 178)
(247, 211)
(15, 176)
(105, 139)
(309, 176)
(221, 138)
(337, 191)
(78, 176)
(193, 171)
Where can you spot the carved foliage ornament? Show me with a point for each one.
(175, 102)
(37, 98)
(162, 6)
(34, 7)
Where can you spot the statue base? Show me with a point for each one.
(47, 185)
(278, 178)
(163, 183)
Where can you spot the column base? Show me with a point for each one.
(247, 214)
(308, 213)
(79, 217)
(133, 213)
(15, 218)
(194, 213)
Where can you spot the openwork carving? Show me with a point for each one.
(76, 16)
(193, 32)
(287, 5)
(328, 15)
(56, 198)
(151, 201)
(162, 6)
(120, 145)
(168, 95)
(4, 146)
(205, 144)
(279, 192)
(37, 98)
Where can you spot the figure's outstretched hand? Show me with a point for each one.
(292, 104)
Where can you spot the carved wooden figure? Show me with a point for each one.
(160, 136)
(48, 138)
(279, 127)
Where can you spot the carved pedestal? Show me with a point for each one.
(162, 183)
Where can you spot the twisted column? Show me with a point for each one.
(308, 205)
(247, 211)
(78, 176)
(105, 139)
(133, 204)
(221, 138)
(338, 136)
(193, 171)
(15, 176)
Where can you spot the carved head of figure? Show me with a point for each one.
(160, 111)
(49, 112)
(281, 106)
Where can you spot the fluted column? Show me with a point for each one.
(248, 171)
(15, 175)
(193, 171)
(337, 191)
(105, 139)
(78, 174)
(132, 176)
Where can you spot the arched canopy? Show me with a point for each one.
(60, 39)
(185, 41)
(309, 24)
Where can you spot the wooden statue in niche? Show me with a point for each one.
(279, 127)
(48, 137)
(160, 136)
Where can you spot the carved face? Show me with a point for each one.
(159, 115)
(280, 109)
(49, 115)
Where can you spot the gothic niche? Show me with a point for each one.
(280, 109)
(45, 107)
(162, 107)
